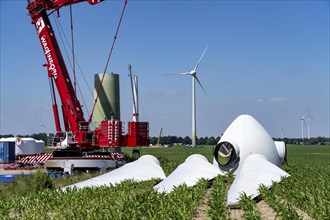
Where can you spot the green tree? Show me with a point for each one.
(211, 141)
(201, 141)
(186, 140)
(6, 135)
(180, 140)
(173, 139)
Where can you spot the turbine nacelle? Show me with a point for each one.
(244, 137)
(193, 73)
(247, 150)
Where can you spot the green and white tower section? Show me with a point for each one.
(108, 101)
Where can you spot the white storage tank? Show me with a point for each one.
(26, 146)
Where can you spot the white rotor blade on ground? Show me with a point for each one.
(145, 168)
(195, 69)
(190, 172)
(256, 170)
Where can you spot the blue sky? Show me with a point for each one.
(269, 59)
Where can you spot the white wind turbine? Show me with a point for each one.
(282, 134)
(41, 126)
(193, 74)
(309, 124)
(303, 123)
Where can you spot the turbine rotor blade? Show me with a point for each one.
(200, 59)
(186, 73)
(200, 84)
(309, 115)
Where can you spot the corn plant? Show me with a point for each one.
(248, 205)
(308, 188)
(217, 202)
(128, 200)
(283, 209)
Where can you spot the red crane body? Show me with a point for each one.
(73, 116)
(77, 135)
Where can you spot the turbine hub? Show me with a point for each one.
(193, 72)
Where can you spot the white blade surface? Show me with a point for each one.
(185, 73)
(190, 172)
(256, 170)
(145, 168)
(195, 69)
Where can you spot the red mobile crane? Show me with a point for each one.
(77, 135)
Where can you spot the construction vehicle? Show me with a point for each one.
(77, 140)
(159, 137)
(77, 134)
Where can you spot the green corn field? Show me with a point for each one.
(303, 195)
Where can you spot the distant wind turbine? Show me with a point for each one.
(282, 133)
(41, 126)
(303, 123)
(309, 124)
(193, 74)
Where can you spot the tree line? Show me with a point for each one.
(167, 140)
(171, 139)
(311, 141)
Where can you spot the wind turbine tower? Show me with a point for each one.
(309, 125)
(302, 126)
(193, 74)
